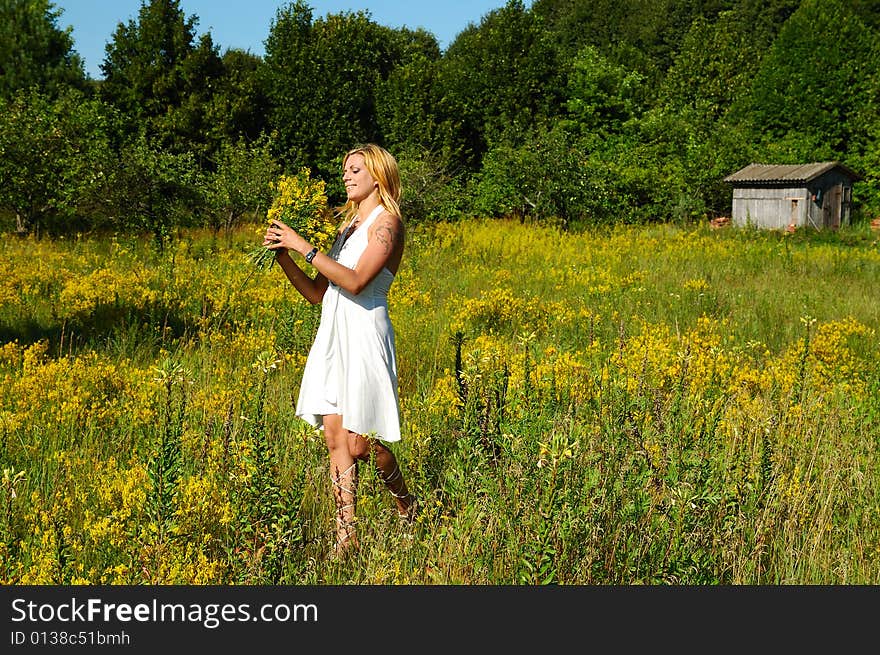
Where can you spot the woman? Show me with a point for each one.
(349, 385)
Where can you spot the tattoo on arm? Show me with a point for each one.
(385, 235)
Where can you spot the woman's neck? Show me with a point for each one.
(367, 205)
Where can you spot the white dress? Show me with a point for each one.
(351, 369)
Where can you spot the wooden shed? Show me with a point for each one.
(790, 196)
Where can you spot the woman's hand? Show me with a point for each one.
(280, 238)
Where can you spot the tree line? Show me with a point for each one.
(567, 111)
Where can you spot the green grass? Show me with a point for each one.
(632, 405)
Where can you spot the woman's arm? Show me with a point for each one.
(312, 289)
(384, 250)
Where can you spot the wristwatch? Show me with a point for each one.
(311, 255)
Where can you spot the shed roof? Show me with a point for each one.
(761, 174)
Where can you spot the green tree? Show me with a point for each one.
(322, 76)
(431, 191)
(408, 112)
(868, 11)
(602, 96)
(35, 51)
(161, 77)
(154, 190)
(239, 104)
(497, 80)
(55, 158)
(719, 58)
(815, 93)
(241, 183)
(866, 194)
(643, 35)
(543, 178)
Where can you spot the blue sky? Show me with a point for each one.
(245, 23)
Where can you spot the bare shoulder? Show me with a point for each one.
(388, 229)
(390, 221)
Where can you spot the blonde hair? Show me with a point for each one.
(382, 166)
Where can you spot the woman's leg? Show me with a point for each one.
(344, 476)
(389, 471)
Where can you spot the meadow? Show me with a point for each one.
(656, 404)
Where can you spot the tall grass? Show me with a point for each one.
(632, 405)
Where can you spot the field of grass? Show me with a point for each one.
(631, 405)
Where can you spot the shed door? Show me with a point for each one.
(831, 206)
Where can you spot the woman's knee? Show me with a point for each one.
(335, 436)
(358, 446)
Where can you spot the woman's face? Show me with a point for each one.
(358, 182)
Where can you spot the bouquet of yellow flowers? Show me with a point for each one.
(300, 202)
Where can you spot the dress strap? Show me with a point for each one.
(378, 209)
